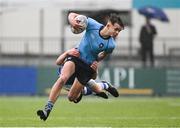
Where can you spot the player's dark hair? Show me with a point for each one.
(114, 18)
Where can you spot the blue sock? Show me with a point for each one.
(87, 91)
(49, 105)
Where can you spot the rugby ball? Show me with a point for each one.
(82, 21)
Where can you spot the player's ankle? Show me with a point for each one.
(49, 106)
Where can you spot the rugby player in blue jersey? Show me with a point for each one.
(97, 42)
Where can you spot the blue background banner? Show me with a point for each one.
(18, 80)
(157, 3)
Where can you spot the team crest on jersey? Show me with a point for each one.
(101, 45)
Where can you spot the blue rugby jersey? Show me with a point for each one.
(93, 43)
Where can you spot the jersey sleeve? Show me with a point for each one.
(93, 24)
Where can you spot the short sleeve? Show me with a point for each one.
(93, 24)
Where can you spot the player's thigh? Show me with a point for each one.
(67, 70)
(75, 90)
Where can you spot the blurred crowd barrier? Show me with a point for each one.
(53, 46)
(38, 51)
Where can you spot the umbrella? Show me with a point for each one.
(153, 12)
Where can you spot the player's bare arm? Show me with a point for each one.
(61, 58)
(102, 55)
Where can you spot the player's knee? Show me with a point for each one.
(63, 79)
(71, 97)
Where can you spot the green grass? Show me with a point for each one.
(92, 112)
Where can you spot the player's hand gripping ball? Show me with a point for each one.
(82, 21)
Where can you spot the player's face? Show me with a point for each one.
(114, 29)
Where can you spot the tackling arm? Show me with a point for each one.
(61, 58)
(95, 64)
(102, 55)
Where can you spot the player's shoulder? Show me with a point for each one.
(93, 24)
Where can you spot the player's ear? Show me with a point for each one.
(108, 24)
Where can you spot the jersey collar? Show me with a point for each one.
(102, 36)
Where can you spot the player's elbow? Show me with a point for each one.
(71, 16)
(70, 98)
(58, 62)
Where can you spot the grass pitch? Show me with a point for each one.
(92, 112)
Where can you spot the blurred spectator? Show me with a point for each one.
(146, 38)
